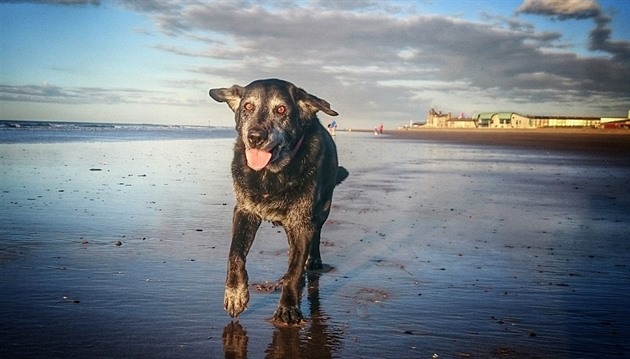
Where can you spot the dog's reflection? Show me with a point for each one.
(235, 341)
(315, 340)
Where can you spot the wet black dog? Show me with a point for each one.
(284, 171)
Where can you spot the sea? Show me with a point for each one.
(24, 131)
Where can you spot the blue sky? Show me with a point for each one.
(374, 61)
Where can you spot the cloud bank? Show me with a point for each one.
(46, 93)
(385, 61)
(600, 36)
(390, 63)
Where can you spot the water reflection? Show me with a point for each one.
(317, 339)
(235, 341)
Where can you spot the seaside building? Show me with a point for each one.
(502, 120)
(616, 122)
(437, 119)
(564, 121)
(461, 123)
(515, 120)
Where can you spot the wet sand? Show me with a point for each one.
(614, 143)
(435, 246)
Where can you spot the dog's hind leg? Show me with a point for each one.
(314, 261)
(244, 227)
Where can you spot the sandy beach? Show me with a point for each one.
(440, 244)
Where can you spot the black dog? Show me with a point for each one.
(284, 171)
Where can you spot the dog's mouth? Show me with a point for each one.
(258, 158)
(262, 146)
(274, 156)
(270, 149)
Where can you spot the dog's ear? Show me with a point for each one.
(309, 104)
(232, 96)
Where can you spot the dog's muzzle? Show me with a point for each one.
(256, 137)
(259, 148)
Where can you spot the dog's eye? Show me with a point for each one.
(281, 109)
(249, 106)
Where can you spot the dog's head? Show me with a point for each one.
(271, 117)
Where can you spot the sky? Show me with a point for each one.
(390, 62)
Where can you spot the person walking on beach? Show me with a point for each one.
(332, 128)
(378, 130)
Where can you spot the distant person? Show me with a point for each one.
(332, 128)
(378, 130)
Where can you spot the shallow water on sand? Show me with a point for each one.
(459, 251)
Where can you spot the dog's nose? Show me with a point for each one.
(256, 137)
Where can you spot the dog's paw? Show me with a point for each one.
(314, 264)
(288, 315)
(235, 300)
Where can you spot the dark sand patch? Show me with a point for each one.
(614, 143)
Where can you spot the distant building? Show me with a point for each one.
(437, 119)
(461, 122)
(564, 121)
(502, 120)
(484, 119)
(616, 122)
(515, 120)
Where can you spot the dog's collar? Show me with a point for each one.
(297, 146)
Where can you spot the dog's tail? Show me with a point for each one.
(342, 174)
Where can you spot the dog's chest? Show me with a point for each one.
(275, 197)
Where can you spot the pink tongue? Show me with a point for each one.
(257, 159)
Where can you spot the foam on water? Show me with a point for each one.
(55, 132)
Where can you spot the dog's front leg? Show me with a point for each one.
(244, 227)
(299, 237)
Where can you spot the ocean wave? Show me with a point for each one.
(21, 131)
